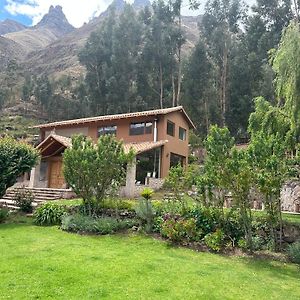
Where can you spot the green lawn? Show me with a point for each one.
(46, 263)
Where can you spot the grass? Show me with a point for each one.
(18, 127)
(47, 263)
(288, 217)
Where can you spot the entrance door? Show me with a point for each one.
(56, 178)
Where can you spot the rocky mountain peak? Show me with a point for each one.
(8, 26)
(138, 4)
(55, 20)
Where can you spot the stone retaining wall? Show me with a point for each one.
(290, 196)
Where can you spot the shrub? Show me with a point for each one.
(145, 211)
(95, 171)
(178, 229)
(24, 198)
(147, 193)
(207, 219)
(293, 252)
(16, 158)
(49, 214)
(4, 213)
(215, 241)
(103, 225)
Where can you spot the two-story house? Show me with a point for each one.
(158, 137)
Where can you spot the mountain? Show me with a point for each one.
(138, 4)
(53, 26)
(51, 47)
(61, 56)
(8, 26)
(56, 21)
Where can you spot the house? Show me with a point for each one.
(158, 137)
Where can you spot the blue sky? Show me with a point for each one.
(4, 14)
(30, 12)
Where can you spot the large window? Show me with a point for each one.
(182, 134)
(170, 128)
(140, 128)
(112, 129)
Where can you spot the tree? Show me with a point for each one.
(16, 158)
(220, 27)
(286, 65)
(282, 119)
(157, 64)
(43, 91)
(110, 57)
(218, 147)
(199, 91)
(240, 176)
(94, 171)
(270, 167)
(176, 6)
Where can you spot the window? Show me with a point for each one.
(43, 170)
(170, 128)
(107, 130)
(140, 128)
(182, 134)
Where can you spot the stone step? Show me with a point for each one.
(49, 193)
(11, 202)
(36, 197)
(40, 196)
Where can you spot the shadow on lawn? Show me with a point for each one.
(15, 221)
(280, 271)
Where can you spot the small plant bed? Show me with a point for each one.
(95, 225)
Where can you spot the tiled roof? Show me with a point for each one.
(119, 116)
(136, 147)
(65, 141)
(143, 146)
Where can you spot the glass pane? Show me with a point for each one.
(107, 130)
(148, 128)
(43, 170)
(170, 128)
(137, 128)
(182, 134)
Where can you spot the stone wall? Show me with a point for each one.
(290, 196)
(135, 192)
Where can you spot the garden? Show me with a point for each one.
(185, 244)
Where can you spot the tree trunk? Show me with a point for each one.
(161, 85)
(296, 10)
(173, 91)
(179, 64)
(206, 114)
(224, 72)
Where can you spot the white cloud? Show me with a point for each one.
(76, 11)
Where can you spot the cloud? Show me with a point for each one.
(76, 11)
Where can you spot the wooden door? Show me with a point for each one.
(56, 178)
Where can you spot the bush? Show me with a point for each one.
(144, 209)
(24, 198)
(49, 214)
(103, 225)
(215, 241)
(293, 252)
(4, 213)
(178, 229)
(207, 219)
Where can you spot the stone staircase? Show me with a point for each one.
(40, 196)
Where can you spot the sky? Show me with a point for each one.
(30, 12)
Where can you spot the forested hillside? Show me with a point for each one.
(149, 56)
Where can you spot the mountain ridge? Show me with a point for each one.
(8, 26)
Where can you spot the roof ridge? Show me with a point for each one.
(117, 116)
